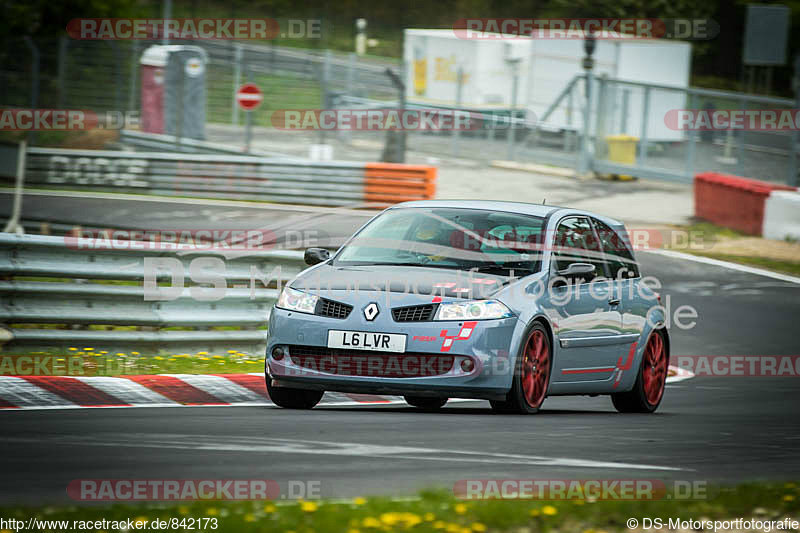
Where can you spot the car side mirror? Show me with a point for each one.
(578, 270)
(312, 256)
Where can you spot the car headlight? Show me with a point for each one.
(299, 301)
(473, 310)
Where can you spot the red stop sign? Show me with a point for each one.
(249, 96)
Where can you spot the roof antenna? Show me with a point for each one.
(544, 201)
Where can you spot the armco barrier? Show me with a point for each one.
(58, 293)
(782, 216)
(231, 177)
(732, 201)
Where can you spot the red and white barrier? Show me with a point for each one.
(740, 203)
(782, 216)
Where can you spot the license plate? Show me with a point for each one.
(366, 340)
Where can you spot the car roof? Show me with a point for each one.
(521, 208)
(491, 205)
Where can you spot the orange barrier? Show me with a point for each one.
(390, 183)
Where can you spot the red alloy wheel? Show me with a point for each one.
(654, 369)
(535, 369)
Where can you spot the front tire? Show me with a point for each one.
(648, 391)
(531, 375)
(425, 403)
(289, 398)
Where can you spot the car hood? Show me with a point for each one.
(413, 280)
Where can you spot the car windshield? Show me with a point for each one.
(462, 239)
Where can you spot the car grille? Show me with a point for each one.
(414, 313)
(368, 363)
(332, 309)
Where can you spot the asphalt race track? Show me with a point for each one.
(718, 429)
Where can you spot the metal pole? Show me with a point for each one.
(645, 116)
(237, 80)
(324, 82)
(63, 43)
(455, 134)
(16, 210)
(166, 14)
(793, 179)
(34, 81)
(249, 127)
(584, 162)
(134, 76)
(692, 139)
(515, 79)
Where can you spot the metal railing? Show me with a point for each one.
(199, 175)
(298, 181)
(61, 292)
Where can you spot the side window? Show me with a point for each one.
(617, 252)
(575, 242)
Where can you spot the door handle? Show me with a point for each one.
(614, 301)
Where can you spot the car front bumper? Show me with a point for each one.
(486, 343)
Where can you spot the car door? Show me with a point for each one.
(586, 318)
(624, 272)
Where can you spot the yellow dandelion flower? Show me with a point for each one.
(249, 517)
(202, 353)
(359, 501)
(308, 507)
(103, 352)
(120, 354)
(71, 349)
(439, 525)
(135, 353)
(88, 349)
(788, 498)
(231, 351)
(211, 511)
(371, 522)
(269, 508)
(549, 510)
(182, 509)
(158, 358)
(141, 520)
(477, 526)
(429, 517)
(460, 508)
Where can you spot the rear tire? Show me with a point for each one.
(531, 375)
(289, 398)
(425, 403)
(648, 391)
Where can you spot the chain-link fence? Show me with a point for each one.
(627, 132)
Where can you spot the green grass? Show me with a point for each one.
(439, 511)
(706, 233)
(86, 361)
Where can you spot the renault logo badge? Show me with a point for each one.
(371, 311)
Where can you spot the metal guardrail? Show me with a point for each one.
(231, 177)
(59, 292)
(170, 143)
